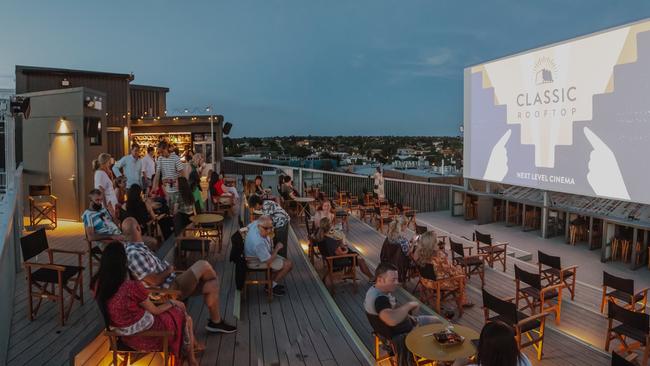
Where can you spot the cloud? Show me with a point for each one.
(438, 63)
(443, 56)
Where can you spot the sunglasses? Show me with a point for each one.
(267, 227)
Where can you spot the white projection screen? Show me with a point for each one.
(572, 117)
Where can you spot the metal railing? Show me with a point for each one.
(422, 196)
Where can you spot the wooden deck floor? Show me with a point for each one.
(301, 328)
(559, 348)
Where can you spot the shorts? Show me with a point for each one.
(187, 283)
(277, 264)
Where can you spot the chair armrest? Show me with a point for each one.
(534, 317)
(181, 238)
(68, 251)
(54, 267)
(144, 333)
(557, 287)
(643, 292)
(342, 256)
(503, 244)
(459, 278)
(509, 299)
(569, 269)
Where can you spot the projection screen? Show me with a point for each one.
(570, 117)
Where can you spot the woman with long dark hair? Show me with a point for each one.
(137, 207)
(126, 308)
(497, 347)
(186, 199)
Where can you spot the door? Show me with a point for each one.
(63, 174)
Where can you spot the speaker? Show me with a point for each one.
(226, 128)
(20, 105)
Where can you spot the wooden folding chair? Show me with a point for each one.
(94, 253)
(623, 290)
(494, 252)
(538, 298)
(472, 264)
(382, 218)
(618, 360)
(58, 277)
(237, 240)
(550, 268)
(530, 326)
(634, 326)
(42, 206)
(433, 291)
(338, 267)
(119, 349)
(420, 229)
(382, 339)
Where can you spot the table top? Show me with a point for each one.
(304, 199)
(206, 218)
(420, 342)
(155, 205)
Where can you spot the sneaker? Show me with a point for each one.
(277, 291)
(220, 327)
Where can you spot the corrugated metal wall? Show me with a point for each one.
(148, 102)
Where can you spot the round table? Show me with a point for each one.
(202, 219)
(421, 343)
(306, 201)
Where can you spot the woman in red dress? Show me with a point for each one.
(126, 308)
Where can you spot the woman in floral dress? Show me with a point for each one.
(126, 308)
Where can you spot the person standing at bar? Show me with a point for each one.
(168, 168)
(131, 165)
(148, 169)
(379, 183)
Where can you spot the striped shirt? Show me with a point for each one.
(169, 168)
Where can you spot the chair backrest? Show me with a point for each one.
(533, 280)
(181, 220)
(166, 225)
(44, 190)
(506, 309)
(549, 260)
(237, 249)
(378, 326)
(618, 360)
(427, 271)
(633, 319)
(482, 238)
(420, 229)
(457, 248)
(618, 283)
(33, 244)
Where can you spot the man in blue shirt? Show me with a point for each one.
(258, 247)
(132, 166)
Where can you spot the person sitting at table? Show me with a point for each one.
(397, 321)
(324, 210)
(185, 204)
(497, 347)
(98, 222)
(335, 244)
(200, 278)
(280, 219)
(223, 188)
(257, 247)
(137, 207)
(429, 258)
(125, 306)
(286, 189)
(263, 193)
(396, 236)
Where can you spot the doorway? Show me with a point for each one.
(63, 174)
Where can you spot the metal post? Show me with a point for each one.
(545, 215)
(300, 181)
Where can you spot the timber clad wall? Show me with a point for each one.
(116, 86)
(148, 101)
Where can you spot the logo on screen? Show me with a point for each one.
(544, 70)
